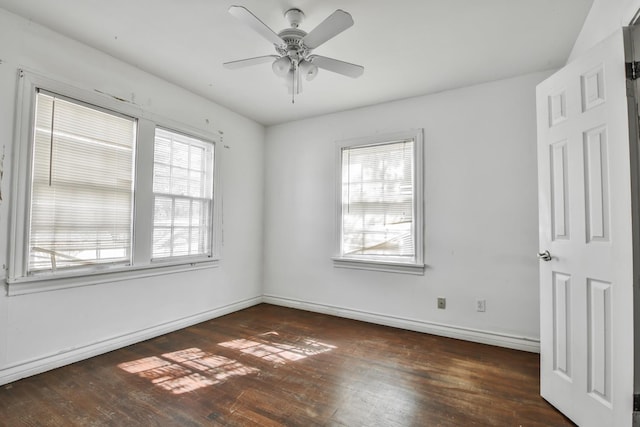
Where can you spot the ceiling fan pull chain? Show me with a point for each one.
(295, 81)
(293, 88)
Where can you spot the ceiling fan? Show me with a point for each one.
(294, 47)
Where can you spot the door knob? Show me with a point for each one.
(544, 256)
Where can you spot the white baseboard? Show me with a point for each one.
(467, 334)
(37, 366)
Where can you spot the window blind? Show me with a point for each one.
(82, 186)
(183, 195)
(378, 200)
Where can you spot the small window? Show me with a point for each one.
(82, 185)
(380, 206)
(183, 195)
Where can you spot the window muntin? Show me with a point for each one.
(183, 195)
(378, 201)
(81, 187)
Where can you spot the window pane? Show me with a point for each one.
(179, 186)
(162, 150)
(182, 212)
(196, 184)
(195, 213)
(180, 241)
(161, 178)
(180, 155)
(197, 239)
(377, 200)
(162, 212)
(184, 188)
(81, 192)
(162, 241)
(197, 156)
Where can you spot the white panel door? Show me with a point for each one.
(586, 280)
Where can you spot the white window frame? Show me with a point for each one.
(379, 263)
(142, 265)
(174, 196)
(40, 96)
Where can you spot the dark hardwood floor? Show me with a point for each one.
(271, 366)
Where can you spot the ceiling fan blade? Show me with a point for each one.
(241, 63)
(243, 14)
(340, 67)
(336, 23)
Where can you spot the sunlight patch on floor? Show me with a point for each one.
(190, 369)
(273, 347)
(186, 370)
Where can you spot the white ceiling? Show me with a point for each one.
(408, 47)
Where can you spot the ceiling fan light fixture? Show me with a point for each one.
(281, 66)
(308, 70)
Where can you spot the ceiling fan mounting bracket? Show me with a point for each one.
(294, 16)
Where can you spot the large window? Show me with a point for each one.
(82, 185)
(105, 189)
(380, 206)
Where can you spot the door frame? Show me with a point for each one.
(632, 53)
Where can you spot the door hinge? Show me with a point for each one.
(633, 70)
(636, 403)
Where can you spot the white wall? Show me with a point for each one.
(604, 18)
(481, 215)
(42, 330)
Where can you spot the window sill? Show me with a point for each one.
(386, 266)
(65, 280)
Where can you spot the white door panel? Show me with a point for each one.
(586, 288)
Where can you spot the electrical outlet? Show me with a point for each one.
(481, 305)
(442, 303)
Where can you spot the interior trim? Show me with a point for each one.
(42, 364)
(468, 334)
(52, 282)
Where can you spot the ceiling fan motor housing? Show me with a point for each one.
(293, 45)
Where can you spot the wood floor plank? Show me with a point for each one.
(274, 366)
